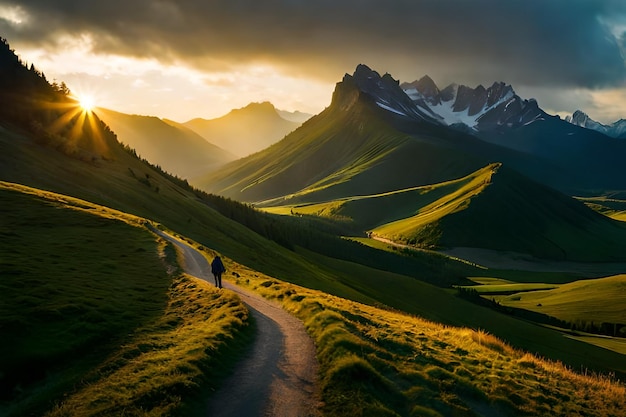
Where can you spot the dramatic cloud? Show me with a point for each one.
(230, 52)
(533, 42)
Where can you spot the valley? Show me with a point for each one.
(428, 263)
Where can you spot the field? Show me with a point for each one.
(598, 300)
(103, 326)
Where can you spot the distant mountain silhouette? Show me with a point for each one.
(246, 130)
(294, 116)
(174, 147)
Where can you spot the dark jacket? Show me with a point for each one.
(217, 267)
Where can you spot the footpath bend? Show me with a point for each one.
(277, 377)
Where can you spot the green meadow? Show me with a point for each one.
(96, 317)
(594, 300)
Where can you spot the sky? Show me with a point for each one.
(201, 58)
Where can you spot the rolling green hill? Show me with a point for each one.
(143, 191)
(90, 304)
(174, 147)
(492, 208)
(365, 352)
(502, 210)
(593, 300)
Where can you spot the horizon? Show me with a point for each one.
(183, 60)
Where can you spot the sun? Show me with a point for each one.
(87, 103)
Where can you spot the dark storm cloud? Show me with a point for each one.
(531, 42)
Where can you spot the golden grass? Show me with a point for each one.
(165, 362)
(380, 362)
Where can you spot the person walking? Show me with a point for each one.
(217, 269)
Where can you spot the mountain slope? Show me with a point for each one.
(174, 147)
(578, 301)
(246, 130)
(493, 208)
(500, 209)
(592, 161)
(347, 149)
(369, 140)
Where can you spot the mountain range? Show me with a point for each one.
(377, 138)
(615, 130)
(249, 129)
(173, 146)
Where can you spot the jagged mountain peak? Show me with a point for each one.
(384, 91)
(615, 130)
(449, 93)
(579, 118)
(478, 108)
(427, 88)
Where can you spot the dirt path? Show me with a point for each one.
(278, 375)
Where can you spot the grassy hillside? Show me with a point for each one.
(388, 361)
(595, 300)
(175, 148)
(369, 211)
(245, 131)
(111, 183)
(492, 208)
(65, 150)
(392, 364)
(502, 210)
(92, 322)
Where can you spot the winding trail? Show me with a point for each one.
(278, 375)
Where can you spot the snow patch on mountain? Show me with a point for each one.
(615, 130)
(388, 95)
(478, 108)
